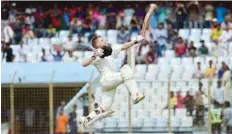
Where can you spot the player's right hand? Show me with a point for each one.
(98, 52)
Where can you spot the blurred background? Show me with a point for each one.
(184, 71)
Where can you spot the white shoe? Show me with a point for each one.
(82, 121)
(98, 117)
(138, 98)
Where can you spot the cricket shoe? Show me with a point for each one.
(82, 121)
(139, 97)
(98, 117)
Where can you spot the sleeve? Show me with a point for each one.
(116, 50)
(96, 61)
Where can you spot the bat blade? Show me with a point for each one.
(147, 18)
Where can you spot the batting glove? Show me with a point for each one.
(98, 52)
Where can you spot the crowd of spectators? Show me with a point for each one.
(36, 21)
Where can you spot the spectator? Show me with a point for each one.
(60, 108)
(226, 36)
(80, 44)
(189, 103)
(87, 25)
(76, 26)
(128, 15)
(30, 20)
(123, 36)
(8, 34)
(141, 55)
(220, 12)
(227, 23)
(227, 117)
(70, 57)
(221, 71)
(173, 100)
(217, 49)
(194, 11)
(171, 33)
(58, 56)
(134, 25)
(45, 57)
(170, 11)
(140, 13)
(203, 50)
(180, 100)
(40, 32)
(180, 48)
(55, 15)
(27, 32)
(51, 31)
(61, 123)
(192, 50)
(150, 57)
(199, 119)
(9, 53)
(208, 15)
(69, 44)
(216, 114)
(210, 70)
(65, 19)
(180, 15)
(102, 21)
(219, 94)
(111, 17)
(162, 15)
(153, 20)
(226, 81)
(73, 120)
(22, 53)
(198, 73)
(216, 33)
(160, 35)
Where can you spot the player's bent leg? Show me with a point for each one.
(130, 83)
(100, 112)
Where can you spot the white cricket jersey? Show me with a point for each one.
(107, 65)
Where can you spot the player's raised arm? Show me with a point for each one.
(90, 60)
(131, 43)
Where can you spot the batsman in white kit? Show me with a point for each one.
(103, 60)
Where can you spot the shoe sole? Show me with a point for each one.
(106, 114)
(140, 99)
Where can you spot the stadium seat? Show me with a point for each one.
(187, 61)
(181, 112)
(112, 36)
(163, 61)
(175, 61)
(184, 33)
(169, 53)
(55, 41)
(102, 33)
(31, 57)
(206, 32)
(175, 121)
(195, 35)
(199, 59)
(64, 33)
(186, 121)
(44, 41)
(208, 58)
(161, 121)
(33, 42)
(149, 122)
(123, 123)
(140, 71)
(137, 123)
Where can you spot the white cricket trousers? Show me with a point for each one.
(109, 83)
